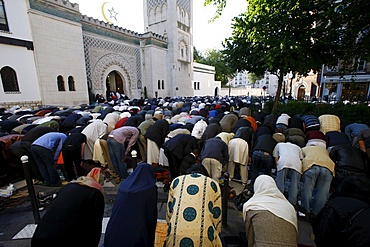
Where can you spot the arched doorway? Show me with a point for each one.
(115, 82)
(301, 92)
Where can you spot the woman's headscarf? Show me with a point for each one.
(134, 214)
(143, 177)
(268, 197)
(93, 179)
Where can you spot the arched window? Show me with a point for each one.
(159, 84)
(183, 50)
(60, 82)
(162, 84)
(3, 22)
(71, 83)
(9, 79)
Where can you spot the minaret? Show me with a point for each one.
(174, 20)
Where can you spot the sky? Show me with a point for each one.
(129, 14)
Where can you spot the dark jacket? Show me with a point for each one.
(158, 132)
(211, 131)
(345, 218)
(241, 123)
(135, 120)
(344, 221)
(181, 145)
(264, 143)
(217, 149)
(336, 138)
(349, 158)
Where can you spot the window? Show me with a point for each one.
(183, 50)
(71, 84)
(3, 22)
(332, 68)
(361, 66)
(9, 79)
(162, 84)
(354, 91)
(195, 85)
(159, 84)
(198, 85)
(60, 82)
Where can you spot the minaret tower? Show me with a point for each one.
(174, 20)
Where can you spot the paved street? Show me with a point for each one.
(17, 219)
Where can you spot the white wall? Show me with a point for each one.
(16, 13)
(154, 68)
(19, 58)
(22, 62)
(59, 51)
(204, 74)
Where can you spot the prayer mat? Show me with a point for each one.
(160, 233)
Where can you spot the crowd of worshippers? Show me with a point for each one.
(303, 165)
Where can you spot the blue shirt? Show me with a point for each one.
(53, 141)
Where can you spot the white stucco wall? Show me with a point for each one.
(59, 51)
(204, 74)
(19, 58)
(154, 68)
(22, 62)
(16, 13)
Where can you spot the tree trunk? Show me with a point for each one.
(278, 91)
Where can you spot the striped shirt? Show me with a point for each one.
(310, 121)
(125, 134)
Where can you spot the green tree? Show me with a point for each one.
(282, 36)
(350, 31)
(252, 77)
(217, 59)
(197, 56)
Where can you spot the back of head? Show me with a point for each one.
(264, 183)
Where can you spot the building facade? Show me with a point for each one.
(54, 55)
(348, 87)
(18, 76)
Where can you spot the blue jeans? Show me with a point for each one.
(44, 159)
(261, 164)
(320, 178)
(293, 190)
(116, 154)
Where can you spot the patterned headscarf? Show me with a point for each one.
(93, 179)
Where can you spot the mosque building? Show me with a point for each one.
(52, 54)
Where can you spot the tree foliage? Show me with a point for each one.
(217, 59)
(252, 77)
(197, 56)
(282, 36)
(350, 31)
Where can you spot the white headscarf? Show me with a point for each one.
(268, 197)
